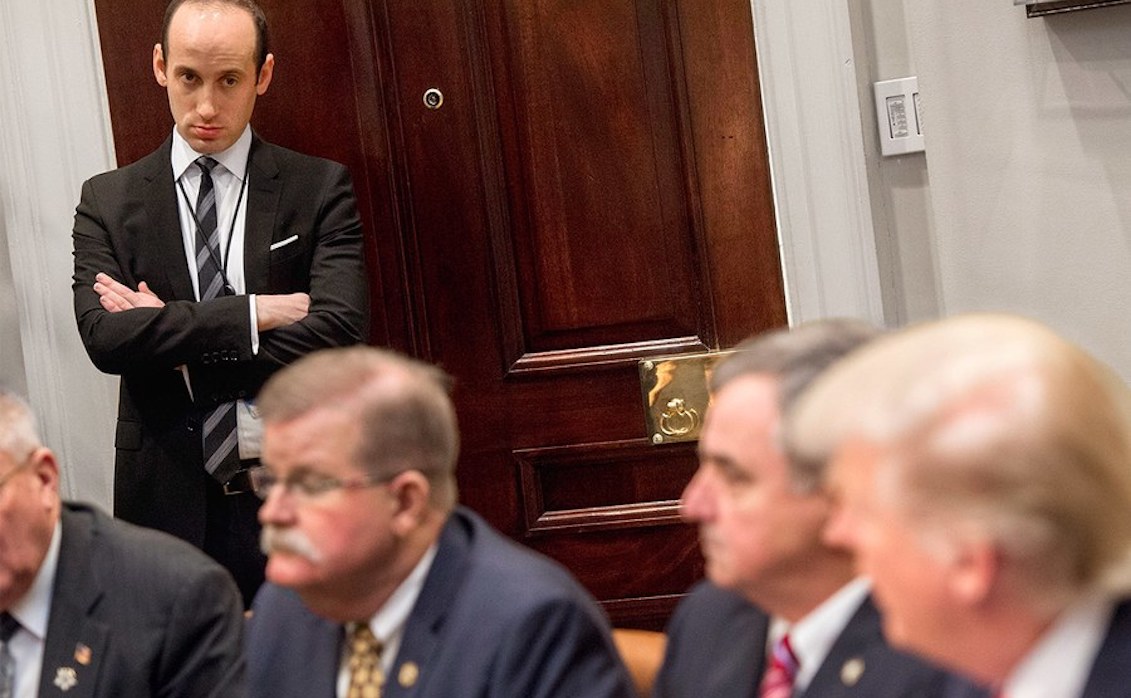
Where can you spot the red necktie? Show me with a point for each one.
(778, 679)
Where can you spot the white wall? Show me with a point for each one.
(899, 185)
(1028, 131)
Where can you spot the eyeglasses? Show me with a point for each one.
(307, 484)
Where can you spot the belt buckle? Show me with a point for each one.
(239, 483)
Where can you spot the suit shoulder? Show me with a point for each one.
(708, 604)
(518, 573)
(287, 158)
(140, 168)
(134, 550)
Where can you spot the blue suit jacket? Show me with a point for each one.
(493, 619)
(136, 613)
(717, 647)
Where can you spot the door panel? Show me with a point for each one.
(592, 191)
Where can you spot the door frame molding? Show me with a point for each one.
(812, 110)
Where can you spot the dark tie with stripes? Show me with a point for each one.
(221, 457)
(8, 628)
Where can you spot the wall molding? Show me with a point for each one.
(817, 164)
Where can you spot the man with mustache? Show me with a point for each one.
(783, 613)
(379, 583)
(983, 469)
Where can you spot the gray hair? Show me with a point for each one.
(795, 357)
(19, 435)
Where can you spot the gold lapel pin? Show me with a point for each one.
(408, 674)
(82, 654)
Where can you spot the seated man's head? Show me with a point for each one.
(760, 517)
(29, 499)
(983, 467)
(359, 453)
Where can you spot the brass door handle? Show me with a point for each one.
(675, 395)
(678, 419)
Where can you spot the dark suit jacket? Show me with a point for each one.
(492, 620)
(127, 226)
(137, 613)
(717, 647)
(1111, 671)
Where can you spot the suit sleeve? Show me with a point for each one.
(203, 652)
(559, 650)
(143, 338)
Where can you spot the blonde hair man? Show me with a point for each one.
(983, 466)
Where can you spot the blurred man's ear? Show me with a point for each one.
(974, 570)
(413, 494)
(46, 470)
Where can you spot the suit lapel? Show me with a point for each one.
(76, 643)
(161, 231)
(1109, 675)
(422, 632)
(844, 666)
(262, 206)
(743, 673)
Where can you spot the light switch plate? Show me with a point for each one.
(899, 116)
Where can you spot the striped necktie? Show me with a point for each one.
(8, 628)
(221, 457)
(778, 679)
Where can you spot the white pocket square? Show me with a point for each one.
(281, 243)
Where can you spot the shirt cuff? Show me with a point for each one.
(254, 325)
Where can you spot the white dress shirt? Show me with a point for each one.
(32, 611)
(813, 636)
(229, 177)
(1059, 665)
(389, 622)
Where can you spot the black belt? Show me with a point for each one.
(238, 483)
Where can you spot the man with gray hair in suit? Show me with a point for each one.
(773, 581)
(98, 606)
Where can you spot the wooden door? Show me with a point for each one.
(593, 190)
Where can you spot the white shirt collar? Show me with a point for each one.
(389, 622)
(34, 607)
(1061, 661)
(813, 636)
(234, 159)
